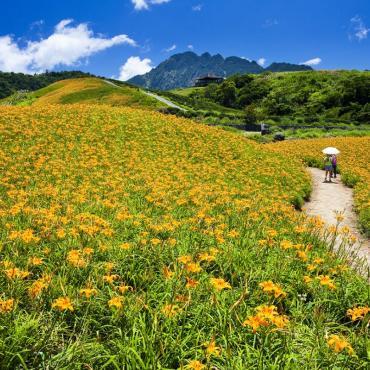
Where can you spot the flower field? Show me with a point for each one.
(133, 240)
(353, 164)
(88, 90)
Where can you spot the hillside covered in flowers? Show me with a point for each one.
(130, 239)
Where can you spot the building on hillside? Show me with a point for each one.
(207, 80)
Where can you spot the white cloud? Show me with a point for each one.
(67, 46)
(12, 59)
(144, 4)
(37, 24)
(312, 62)
(140, 4)
(270, 23)
(171, 48)
(197, 8)
(190, 47)
(261, 61)
(358, 29)
(135, 66)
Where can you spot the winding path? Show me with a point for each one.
(329, 198)
(159, 98)
(163, 100)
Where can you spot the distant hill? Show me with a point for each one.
(181, 70)
(287, 67)
(86, 91)
(12, 82)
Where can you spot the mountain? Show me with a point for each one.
(287, 67)
(181, 70)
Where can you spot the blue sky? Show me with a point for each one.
(124, 37)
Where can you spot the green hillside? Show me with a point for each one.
(86, 91)
(11, 83)
(186, 91)
(305, 98)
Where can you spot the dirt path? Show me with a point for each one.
(328, 198)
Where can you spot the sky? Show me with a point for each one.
(122, 38)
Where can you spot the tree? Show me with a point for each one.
(364, 114)
(210, 92)
(250, 116)
(5, 89)
(227, 94)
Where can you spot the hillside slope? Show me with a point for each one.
(296, 97)
(93, 91)
(86, 91)
(181, 70)
(134, 239)
(11, 82)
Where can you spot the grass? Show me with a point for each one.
(186, 91)
(18, 99)
(130, 239)
(314, 133)
(200, 105)
(321, 133)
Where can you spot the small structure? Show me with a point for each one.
(265, 129)
(207, 80)
(279, 136)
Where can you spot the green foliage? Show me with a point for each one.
(313, 133)
(250, 114)
(186, 91)
(299, 97)
(195, 101)
(227, 94)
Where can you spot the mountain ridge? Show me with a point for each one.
(181, 70)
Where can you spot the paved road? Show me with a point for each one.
(163, 100)
(159, 98)
(329, 198)
(111, 83)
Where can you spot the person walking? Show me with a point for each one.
(328, 165)
(334, 165)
